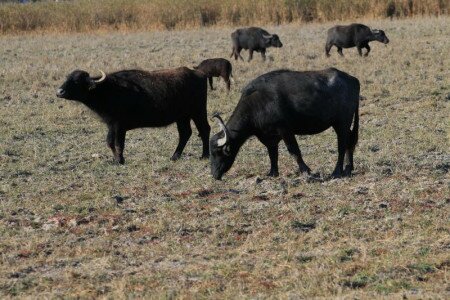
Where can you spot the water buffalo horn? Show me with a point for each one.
(102, 78)
(221, 142)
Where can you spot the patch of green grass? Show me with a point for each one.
(423, 251)
(303, 226)
(392, 286)
(347, 254)
(344, 211)
(304, 258)
(359, 280)
(422, 268)
(19, 287)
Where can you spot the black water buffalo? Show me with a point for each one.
(216, 67)
(131, 99)
(358, 35)
(253, 39)
(281, 104)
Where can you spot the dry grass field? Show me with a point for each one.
(74, 224)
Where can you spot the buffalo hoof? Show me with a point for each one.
(336, 175)
(305, 169)
(348, 171)
(204, 156)
(119, 160)
(175, 156)
(273, 174)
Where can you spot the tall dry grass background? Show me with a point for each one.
(87, 15)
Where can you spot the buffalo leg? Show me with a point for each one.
(368, 49)
(273, 155)
(349, 157)
(110, 137)
(119, 144)
(263, 55)
(294, 150)
(342, 136)
(210, 79)
(349, 163)
(233, 52)
(250, 54)
(327, 49)
(184, 132)
(271, 142)
(226, 77)
(340, 51)
(227, 81)
(359, 50)
(201, 122)
(238, 54)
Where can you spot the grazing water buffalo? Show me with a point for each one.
(358, 35)
(281, 104)
(216, 67)
(131, 99)
(253, 39)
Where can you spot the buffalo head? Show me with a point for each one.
(78, 84)
(380, 36)
(222, 151)
(272, 40)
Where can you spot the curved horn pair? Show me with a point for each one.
(222, 141)
(101, 78)
(267, 36)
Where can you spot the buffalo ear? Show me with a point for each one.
(267, 39)
(93, 82)
(226, 150)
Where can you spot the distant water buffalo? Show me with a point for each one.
(131, 99)
(216, 67)
(358, 35)
(281, 104)
(253, 39)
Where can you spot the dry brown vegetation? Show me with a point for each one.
(88, 15)
(73, 224)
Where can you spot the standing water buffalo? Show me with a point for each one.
(281, 104)
(216, 67)
(253, 39)
(358, 35)
(131, 99)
